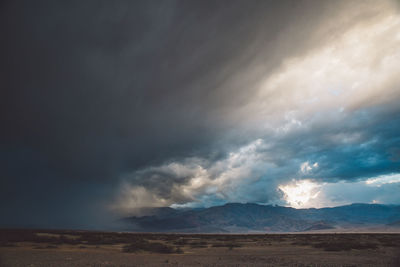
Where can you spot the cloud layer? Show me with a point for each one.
(135, 104)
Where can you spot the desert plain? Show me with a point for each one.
(22, 247)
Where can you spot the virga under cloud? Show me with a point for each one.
(127, 105)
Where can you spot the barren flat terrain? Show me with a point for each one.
(86, 248)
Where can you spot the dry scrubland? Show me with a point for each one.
(86, 248)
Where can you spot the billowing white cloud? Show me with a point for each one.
(192, 180)
(306, 167)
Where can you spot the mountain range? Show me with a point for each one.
(250, 217)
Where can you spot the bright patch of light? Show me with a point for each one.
(357, 69)
(384, 179)
(298, 193)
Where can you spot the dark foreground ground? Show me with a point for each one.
(84, 248)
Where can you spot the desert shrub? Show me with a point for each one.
(144, 245)
(169, 237)
(35, 236)
(300, 243)
(160, 248)
(226, 245)
(180, 242)
(25, 235)
(199, 244)
(179, 250)
(45, 247)
(104, 238)
(343, 246)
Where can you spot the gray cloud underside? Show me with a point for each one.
(102, 98)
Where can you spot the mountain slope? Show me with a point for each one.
(235, 217)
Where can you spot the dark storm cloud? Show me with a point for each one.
(95, 91)
(360, 145)
(101, 86)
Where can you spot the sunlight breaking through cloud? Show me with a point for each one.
(298, 193)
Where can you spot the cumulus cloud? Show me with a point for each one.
(305, 167)
(199, 181)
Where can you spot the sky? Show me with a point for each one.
(109, 107)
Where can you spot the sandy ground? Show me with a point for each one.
(252, 252)
(273, 256)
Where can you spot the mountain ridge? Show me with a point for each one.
(252, 217)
